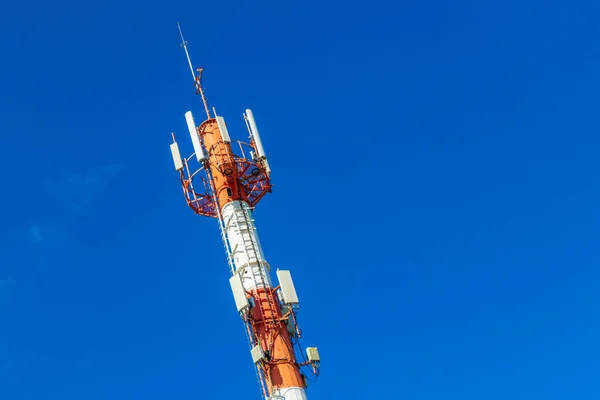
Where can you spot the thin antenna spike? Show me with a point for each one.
(184, 45)
(197, 78)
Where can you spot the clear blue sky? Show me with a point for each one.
(437, 197)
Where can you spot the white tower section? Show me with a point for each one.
(246, 252)
(294, 393)
(249, 261)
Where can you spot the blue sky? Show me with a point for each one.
(436, 197)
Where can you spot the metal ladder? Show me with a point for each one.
(249, 247)
(223, 227)
(229, 253)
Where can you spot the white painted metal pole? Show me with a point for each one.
(247, 252)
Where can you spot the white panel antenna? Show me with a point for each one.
(260, 150)
(288, 291)
(239, 294)
(194, 135)
(176, 156)
(223, 129)
(255, 135)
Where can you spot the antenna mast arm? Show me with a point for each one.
(197, 78)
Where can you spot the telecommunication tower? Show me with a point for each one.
(220, 183)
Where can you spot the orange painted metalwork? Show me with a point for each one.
(222, 164)
(267, 319)
(269, 324)
(233, 177)
(229, 183)
(230, 178)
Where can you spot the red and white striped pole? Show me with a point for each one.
(231, 186)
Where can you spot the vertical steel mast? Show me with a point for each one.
(227, 186)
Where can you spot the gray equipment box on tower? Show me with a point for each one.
(288, 291)
(239, 294)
